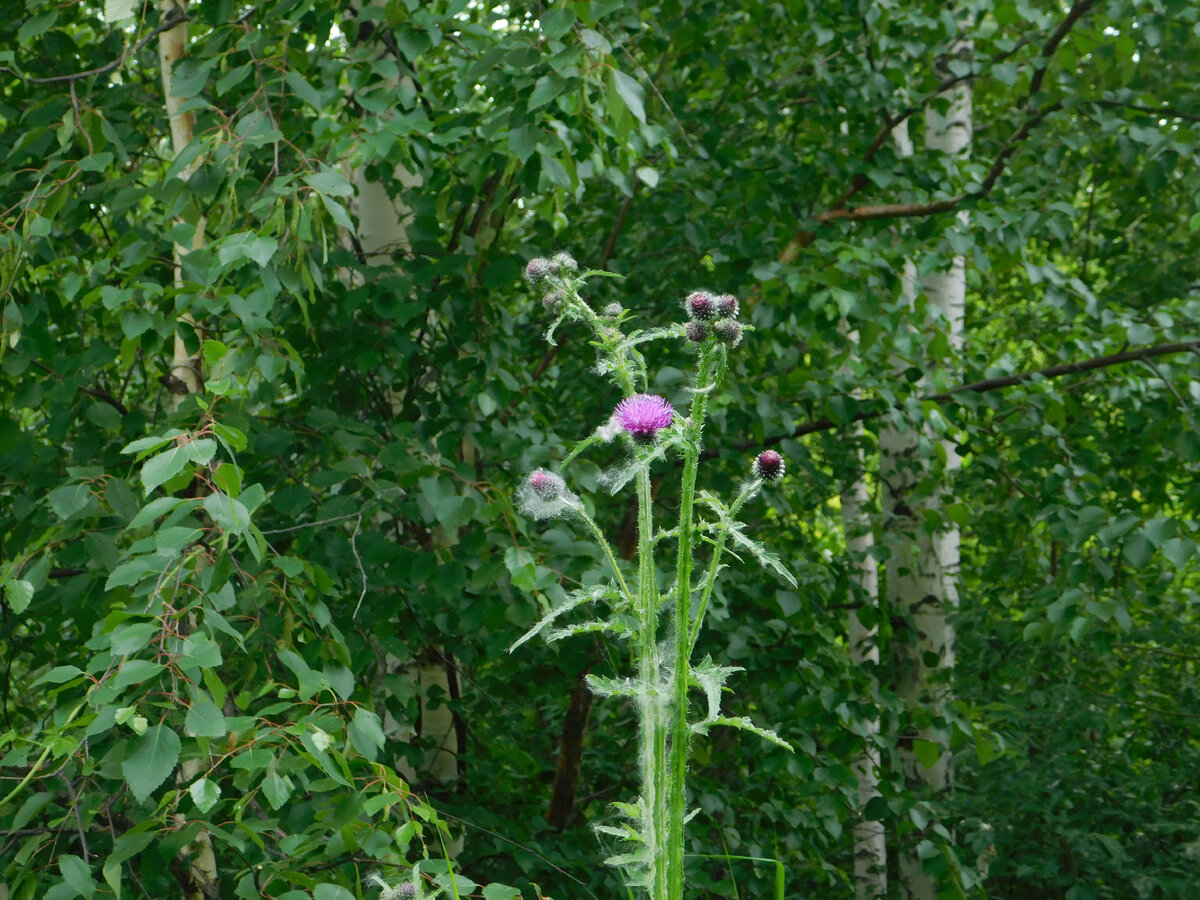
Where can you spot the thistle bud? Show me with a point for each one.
(696, 332)
(564, 262)
(769, 466)
(727, 306)
(612, 310)
(553, 302)
(700, 305)
(538, 269)
(728, 332)
(544, 495)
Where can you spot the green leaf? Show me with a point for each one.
(18, 594)
(631, 93)
(205, 719)
(247, 245)
(544, 90)
(330, 181)
(70, 499)
(229, 514)
(331, 892)
(162, 468)
(77, 874)
(134, 671)
(277, 789)
(500, 892)
(205, 793)
(150, 759)
(59, 675)
(366, 733)
(927, 752)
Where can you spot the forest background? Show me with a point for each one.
(271, 375)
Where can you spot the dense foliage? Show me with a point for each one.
(215, 603)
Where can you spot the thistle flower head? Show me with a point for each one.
(544, 495)
(553, 302)
(727, 306)
(538, 270)
(728, 332)
(612, 310)
(564, 263)
(700, 305)
(644, 415)
(769, 466)
(696, 332)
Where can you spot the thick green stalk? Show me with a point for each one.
(680, 733)
(653, 751)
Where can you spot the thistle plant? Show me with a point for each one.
(661, 627)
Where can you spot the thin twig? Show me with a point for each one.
(988, 384)
(175, 17)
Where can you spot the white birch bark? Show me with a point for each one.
(870, 839)
(382, 220)
(186, 378)
(923, 569)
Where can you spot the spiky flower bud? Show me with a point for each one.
(564, 262)
(553, 302)
(696, 332)
(612, 310)
(544, 495)
(700, 305)
(727, 306)
(538, 270)
(769, 466)
(644, 415)
(728, 332)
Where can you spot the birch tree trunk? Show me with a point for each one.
(185, 377)
(870, 839)
(923, 568)
(382, 219)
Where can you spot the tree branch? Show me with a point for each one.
(176, 16)
(839, 212)
(988, 384)
(93, 392)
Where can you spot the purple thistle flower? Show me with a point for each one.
(727, 305)
(644, 415)
(700, 305)
(696, 332)
(769, 466)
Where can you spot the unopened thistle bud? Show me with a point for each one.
(696, 332)
(700, 305)
(728, 332)
(553, 302)
(727, 306)
(564, 262)
(612, 310)
(769, 466)
(544, 495)
(538, 269)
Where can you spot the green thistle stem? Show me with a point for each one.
(708, 376)
(650, 707)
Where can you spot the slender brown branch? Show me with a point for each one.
(177, 15)
(94, 392)
(1081, 7)
(838, 210)
(989, 384)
